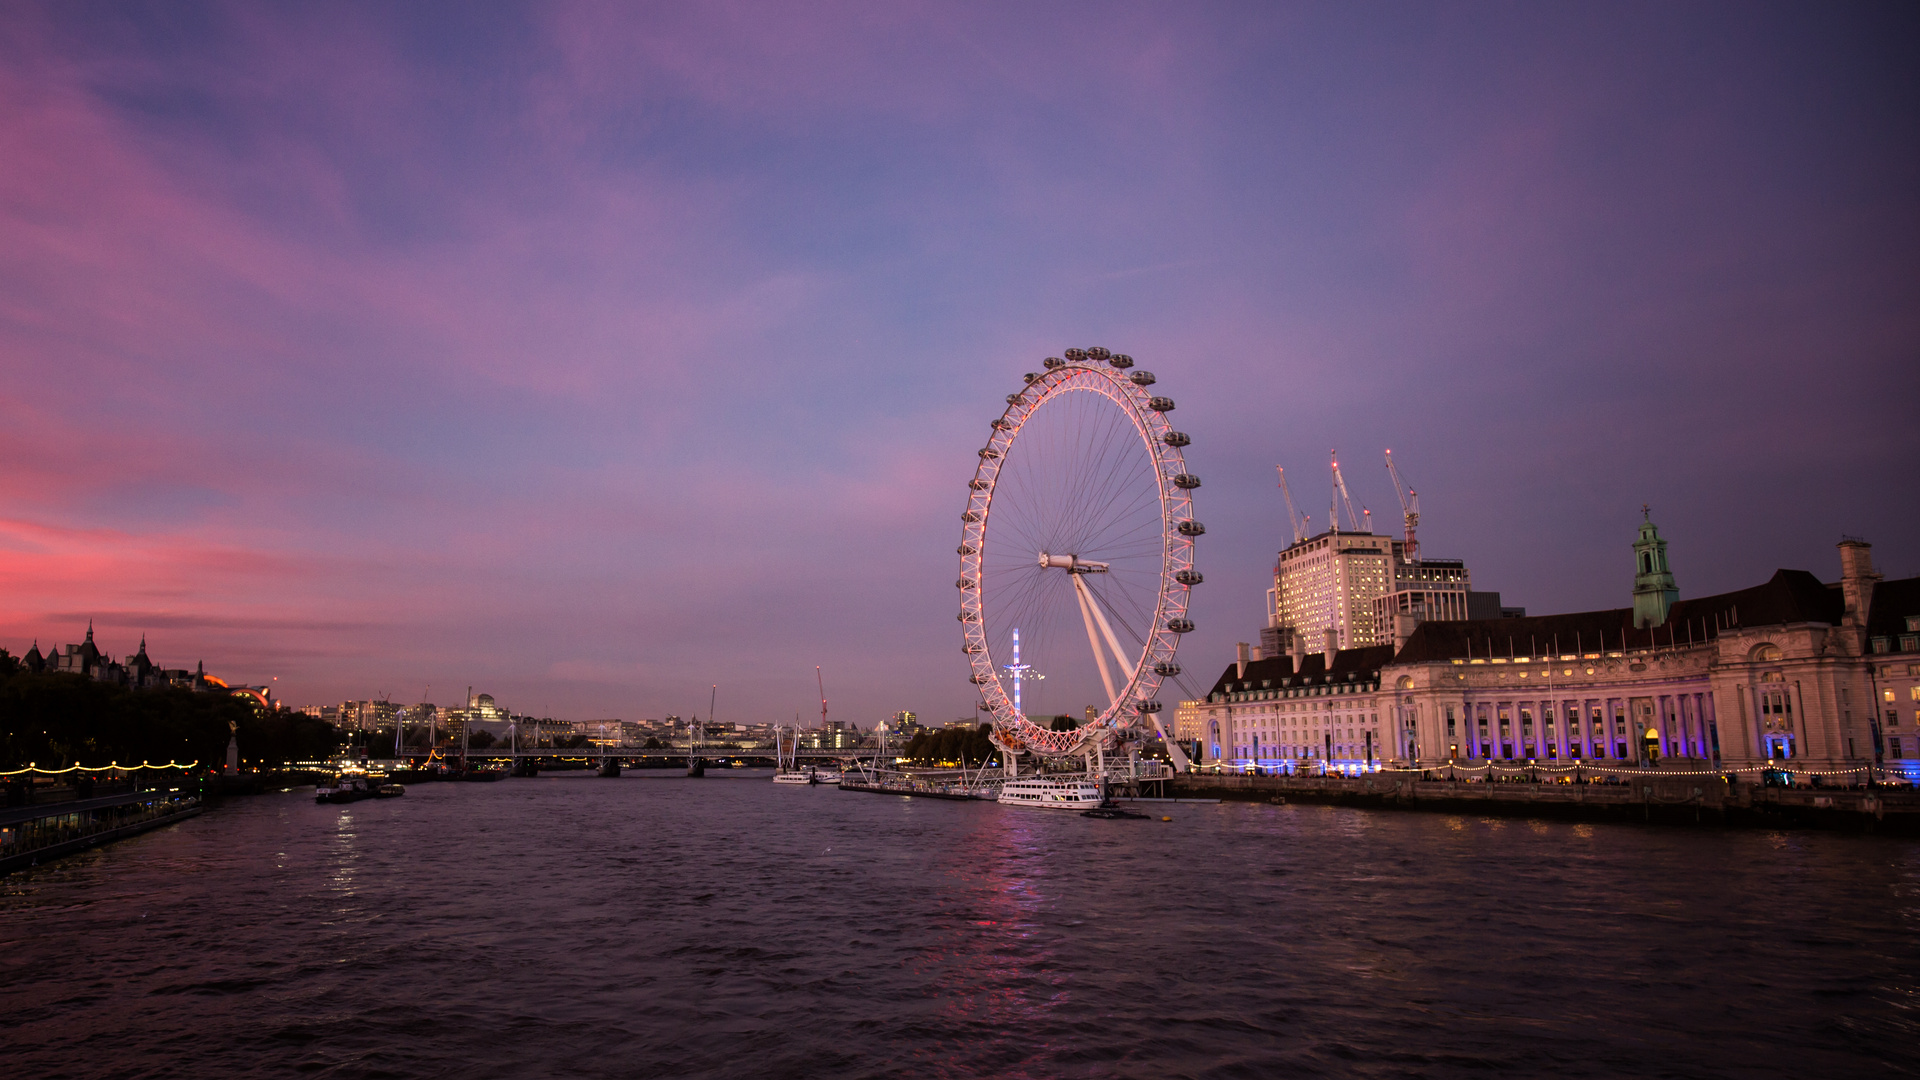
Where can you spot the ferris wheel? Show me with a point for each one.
(1077, 554)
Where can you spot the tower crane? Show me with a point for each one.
(1296, 520)
(1340, 489)
(1409, 508)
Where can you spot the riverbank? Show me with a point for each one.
(1645, 799)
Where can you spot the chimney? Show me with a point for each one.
(1296, 648)
(1240, 660)
(1331, 646)
(1856, 580)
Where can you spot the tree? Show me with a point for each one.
(60, 718)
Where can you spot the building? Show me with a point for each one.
(905, 724)
(137, 672)
(1424, 590)
(1893, 651)
(1365, 590)
(1781, 672)
(1298, 711)
(1329, 582)
(1186, 721)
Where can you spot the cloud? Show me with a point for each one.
(600, 354)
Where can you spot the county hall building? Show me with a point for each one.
(1822, 677)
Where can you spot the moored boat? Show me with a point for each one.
(1052, 793)
(346, 787)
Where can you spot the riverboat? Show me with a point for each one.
(345, 788)
(797, 776)
(1050, 793)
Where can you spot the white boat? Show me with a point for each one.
(1051, 794)
(787, 767)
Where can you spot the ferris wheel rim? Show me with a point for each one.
(1085, 371)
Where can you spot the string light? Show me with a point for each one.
(96, 768)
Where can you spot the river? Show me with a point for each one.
(659, 926)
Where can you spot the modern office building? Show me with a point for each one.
(1364, 588)
(1329, 582)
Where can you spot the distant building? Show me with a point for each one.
(138, 672)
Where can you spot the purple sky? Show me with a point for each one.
(591, 354)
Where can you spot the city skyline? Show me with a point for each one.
(594, 358)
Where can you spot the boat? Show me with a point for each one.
(1113, 811)
(389, 791)
(1052, 793)
(787, 769)
(346, 787)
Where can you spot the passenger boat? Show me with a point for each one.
(345, 788)
(1051, 793)
(796, 776)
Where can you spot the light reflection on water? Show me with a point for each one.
(659, 926)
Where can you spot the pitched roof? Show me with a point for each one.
(1790, 596)
(1893, 603)
(1276, 670)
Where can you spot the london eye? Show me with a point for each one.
(1076, 557)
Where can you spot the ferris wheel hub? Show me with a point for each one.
(1072, 564)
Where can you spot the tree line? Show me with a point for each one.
(57, 719)
(968, 746)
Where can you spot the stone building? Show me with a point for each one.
(1779, 672)
(1893, 651)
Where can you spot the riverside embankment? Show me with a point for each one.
(1645, 798)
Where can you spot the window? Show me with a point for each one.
(1909, 642)
(1880, 645)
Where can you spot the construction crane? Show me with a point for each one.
(1409, 508)
(1340, 490)
(1297, 521)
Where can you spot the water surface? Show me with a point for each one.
(660, 926)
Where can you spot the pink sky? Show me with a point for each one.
(590, 355)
